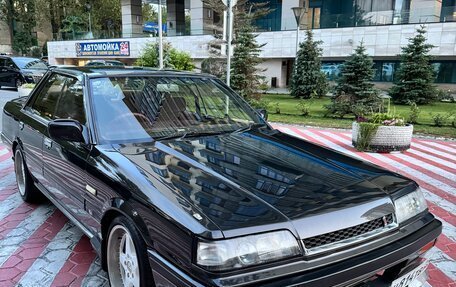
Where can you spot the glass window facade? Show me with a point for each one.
(445, 71)
(272, 21)
(353, 13)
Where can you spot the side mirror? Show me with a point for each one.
(263, 113)
(67, 130)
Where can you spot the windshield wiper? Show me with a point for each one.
(249, 127)
(190, 134)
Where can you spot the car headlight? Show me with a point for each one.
(410, 205)
(245, 251)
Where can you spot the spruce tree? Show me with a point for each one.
(414, 79)
(307, 79)
(355, 92)
(245, 78)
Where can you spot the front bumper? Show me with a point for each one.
(349, 272)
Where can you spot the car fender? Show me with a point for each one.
(117, 207)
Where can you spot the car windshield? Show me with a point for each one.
(140, 108)
(30, 63)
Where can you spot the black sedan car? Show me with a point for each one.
(14, 71)
(177, 181)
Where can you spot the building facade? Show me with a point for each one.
(383, 25)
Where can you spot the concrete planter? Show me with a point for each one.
(387, 138)
(24, 92)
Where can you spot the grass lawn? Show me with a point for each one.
(290, 114)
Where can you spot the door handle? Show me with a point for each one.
(21, 125)
(48, 143)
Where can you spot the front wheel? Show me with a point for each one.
(126, 253)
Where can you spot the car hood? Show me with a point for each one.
(266, 179)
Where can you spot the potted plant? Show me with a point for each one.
(382, 132)
(25, 89)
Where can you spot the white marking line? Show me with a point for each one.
(3, 151)
(23, 231)
(450, 164)
(433, 150)
(51, 260)
(401, 167)
(9, 204)
(434, 168)
(440, 202)
(443, 262)
(447, 229)
(441, 146)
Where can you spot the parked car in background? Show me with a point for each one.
(14, 71)
(95, 63)
(177, 181)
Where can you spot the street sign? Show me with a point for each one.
(112, 48)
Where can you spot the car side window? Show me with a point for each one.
(2, 62)
(71, 102)
(45, 102)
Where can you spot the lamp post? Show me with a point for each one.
(229, 38)
(160, 35)
(298, 13)
(88, 7)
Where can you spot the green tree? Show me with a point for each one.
(172, 58)
(74, 25)
(106, 17)
(245, 78)
(150, 13)
(244, 13)
(21, 20)
(355, 92)
(307, 79)
(414, 79)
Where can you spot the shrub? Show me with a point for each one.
(303, 107)
(276, 107)
(259, 103)
(440, 119)
(414, 113)
(366, 133)
(172, 58)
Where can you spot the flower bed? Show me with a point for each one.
(381, 134)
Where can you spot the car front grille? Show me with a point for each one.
(327, 239)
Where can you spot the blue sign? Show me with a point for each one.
(114, 48)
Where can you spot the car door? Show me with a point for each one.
(65, 162)
(3, 72)
(37, 113)
(12, 73)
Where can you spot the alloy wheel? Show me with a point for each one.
(123, 264)
(20, 172)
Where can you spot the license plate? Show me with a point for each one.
(409, 279)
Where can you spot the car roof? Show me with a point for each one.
(113, 71)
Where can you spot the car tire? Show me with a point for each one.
(25, 184)
(125, 243)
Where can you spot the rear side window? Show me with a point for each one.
(2, 62)
(61, 98)
(46, 101)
